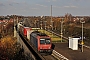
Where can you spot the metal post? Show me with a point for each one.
(41, 21)
(51, 18)
(61, 29)
(41, 24)
(45, 25)
(35, 23)
(82, 31)
(82, 37)
(14, 29)
(52, 25)
(17, 32)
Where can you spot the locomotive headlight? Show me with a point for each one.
(40, 47)
(49, 47)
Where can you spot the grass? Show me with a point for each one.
(54, 38)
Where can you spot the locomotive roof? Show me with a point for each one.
(41, 34)
(37, 33)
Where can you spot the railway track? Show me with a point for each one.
(59, 56)
(38, 56)
(54, 56)
(50, 57)
(35, 54)
(67, 38)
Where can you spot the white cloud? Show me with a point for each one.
(66, 6)
(56, 6)
(51, 0)
(70, 6)
(74, 6)
(41, 5)
(54, 0)
(34, 8)
(79, 0)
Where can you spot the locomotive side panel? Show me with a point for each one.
(34, 41)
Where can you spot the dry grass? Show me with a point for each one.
(54, 38)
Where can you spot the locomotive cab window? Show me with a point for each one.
(44, 41)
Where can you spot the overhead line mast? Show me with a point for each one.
(51, 18)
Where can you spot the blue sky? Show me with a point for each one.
(42, 7)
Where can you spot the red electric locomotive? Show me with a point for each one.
(41, 42)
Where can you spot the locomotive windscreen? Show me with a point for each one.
(45, 41)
